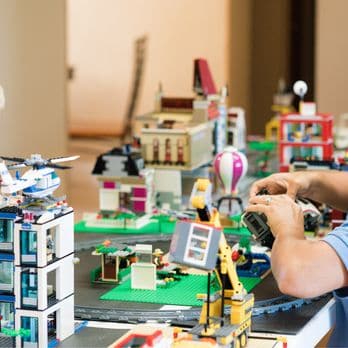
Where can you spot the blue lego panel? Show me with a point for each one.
(6, 257)
(7, 298)
(9, 216)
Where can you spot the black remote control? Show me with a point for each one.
(257, 225)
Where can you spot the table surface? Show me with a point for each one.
(101, 334)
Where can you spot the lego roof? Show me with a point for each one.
(118, 162)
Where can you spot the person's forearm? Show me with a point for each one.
(304, 268)
(330, 187)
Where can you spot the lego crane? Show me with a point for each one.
(202, 244)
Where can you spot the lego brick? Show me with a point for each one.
(7, 298)
(109, 185)
(143, 276)
(139, 206)
(182, 292)
(139, 192)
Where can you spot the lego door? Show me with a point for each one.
(109, 268)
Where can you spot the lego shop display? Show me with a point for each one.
(306, 134)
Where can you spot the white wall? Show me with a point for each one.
(331, 68)
(32, 72)
(101, 35)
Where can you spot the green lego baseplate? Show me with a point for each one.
(180, 293)
(153, 227)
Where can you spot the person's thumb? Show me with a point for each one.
(292, 190)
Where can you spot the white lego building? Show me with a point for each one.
(44, 279)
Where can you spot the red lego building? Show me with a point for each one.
(305, 137)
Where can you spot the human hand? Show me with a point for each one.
(284, 216)
(280, 183)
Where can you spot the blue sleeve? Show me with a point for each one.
(338, 240)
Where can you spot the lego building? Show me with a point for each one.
(124, 183)
(36, 279)
(7, 288)
(44, 279)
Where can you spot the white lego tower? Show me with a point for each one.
(44, 278)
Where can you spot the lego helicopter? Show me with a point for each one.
(40, 181)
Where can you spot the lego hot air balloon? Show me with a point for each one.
(230, 167)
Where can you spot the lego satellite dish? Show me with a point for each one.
(2, 98)
(300, 88)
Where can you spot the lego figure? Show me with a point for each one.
(155, 154)
(168, 152)
(180, 150)
(323, 265)
(158, 258)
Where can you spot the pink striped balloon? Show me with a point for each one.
(230, 166)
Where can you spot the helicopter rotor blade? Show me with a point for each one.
(57, 166)
(16, 166)
(14, 159)
(62, 159)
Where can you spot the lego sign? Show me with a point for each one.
(195, 245)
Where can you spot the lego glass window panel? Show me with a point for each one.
(52, 287)
(6, 276)
(28, 247)
(6, 234)
(29, 290)
(51, 243)
(315, 152)
(32, 325)
(195, 245)
(198, 245)
(7, 315)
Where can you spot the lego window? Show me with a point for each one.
(144, 257)
(6, 276)
(28, 246)
(198, 245)
(52, 288)
(51, 236)
(30, 324)
(29, 289)
(7, 315)
(6, 234)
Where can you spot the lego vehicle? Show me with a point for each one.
(39, 181)
(201, 244)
